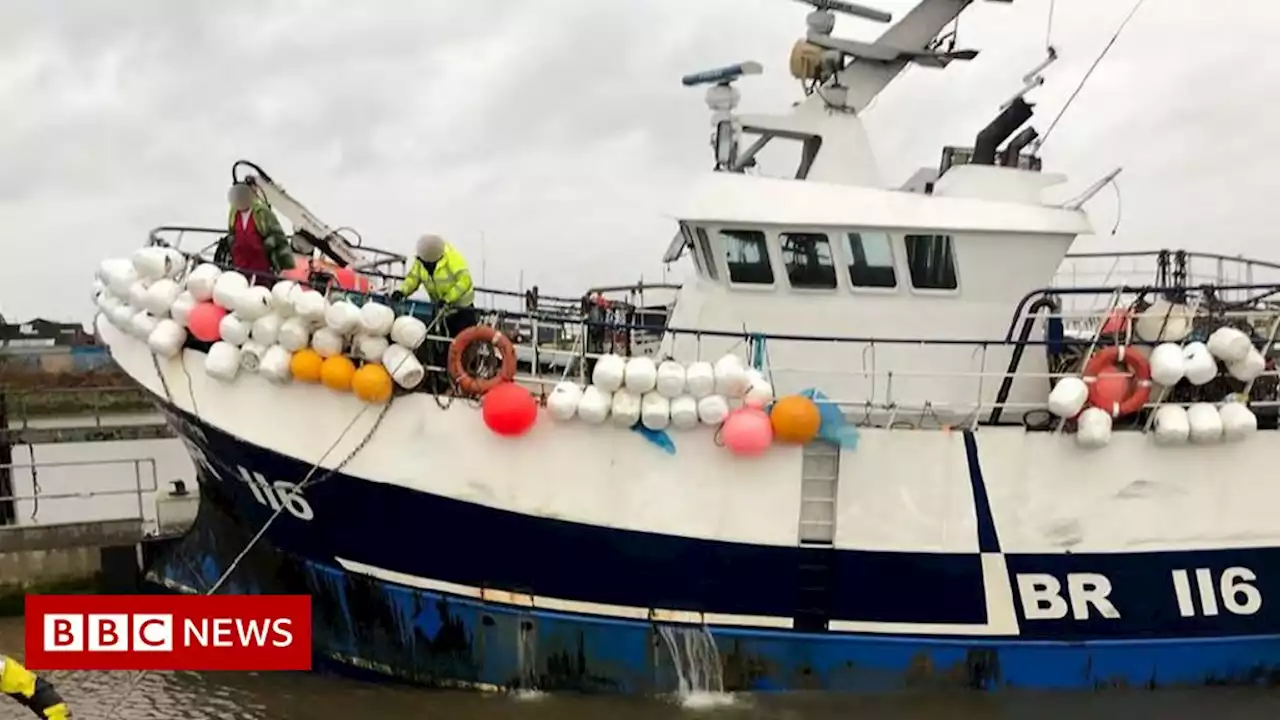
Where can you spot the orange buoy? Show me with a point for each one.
(795, 419)
(470, 384)
(336, 372)
(305, 365)
(372, 383)
(1119, 380)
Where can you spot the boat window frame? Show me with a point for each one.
(895, 259)
(810, 146)
(703, 247)
(778, 232)
(720, 250)
(955, 263)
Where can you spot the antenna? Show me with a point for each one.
(819, 58)
(722, 98)
(848, 8)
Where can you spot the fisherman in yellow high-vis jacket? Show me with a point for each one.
(441, 270)
(32, 692)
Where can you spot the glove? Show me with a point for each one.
(222, 255)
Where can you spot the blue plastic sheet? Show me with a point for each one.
(657, 437)
(834, 428)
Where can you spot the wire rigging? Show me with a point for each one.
(1083, 81)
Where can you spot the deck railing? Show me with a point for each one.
(84, 504)
(1000, 362)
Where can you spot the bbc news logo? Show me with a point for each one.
(168, 632)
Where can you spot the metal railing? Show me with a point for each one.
(145, 480)
(885, 404)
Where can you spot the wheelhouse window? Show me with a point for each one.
(708, 259)
(932, 261)
(808, 259)
(870, 260)
(746, 253)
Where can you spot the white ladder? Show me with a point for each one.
(819, 478)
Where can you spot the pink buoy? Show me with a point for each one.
(509, 409)
(203, 321)
(747, 431)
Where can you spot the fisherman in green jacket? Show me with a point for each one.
(255, 242)
(33, 693)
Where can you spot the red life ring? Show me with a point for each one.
(1108, 361)
(470, 384)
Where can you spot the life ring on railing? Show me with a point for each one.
(471, 384)
(1113, 392)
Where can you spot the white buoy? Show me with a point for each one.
(376, 319)
(655, 411)
(1068, 396)
(625, 411)
(594, 406)
(1093, 428)
(731, 377)
(227, 289)
(222, 361)
(408, 331)
(1205, 423)
(670, 381)
(609, 372)
(562, 403)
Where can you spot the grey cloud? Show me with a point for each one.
(559, 129)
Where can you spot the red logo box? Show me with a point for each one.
(168, 632)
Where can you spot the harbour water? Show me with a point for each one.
(299, 696)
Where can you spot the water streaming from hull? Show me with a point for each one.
(696, 661)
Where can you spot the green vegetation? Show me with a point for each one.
(53, 402)
(12, 597)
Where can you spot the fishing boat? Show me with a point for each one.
(883, 438)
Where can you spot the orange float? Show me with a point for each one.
(305, 365)
(1119, 380)
(336, 372)
(372, 383)
(470, 384)
(795, 419)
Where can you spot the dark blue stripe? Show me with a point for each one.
(441, 538)
(988, 540)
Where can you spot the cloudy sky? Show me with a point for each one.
(558, 129)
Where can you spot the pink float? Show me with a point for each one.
(346, 278)
(203, 321)
(747, 431)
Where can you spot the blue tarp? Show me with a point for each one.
(835, 428)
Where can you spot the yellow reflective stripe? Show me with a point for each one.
(16, 680)
(413, 278)
(451, 281)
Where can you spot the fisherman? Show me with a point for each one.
(441, 270)
(32, 692)
(255, 242)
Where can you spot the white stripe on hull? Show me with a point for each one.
(1002, 618)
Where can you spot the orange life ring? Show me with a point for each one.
(1139, 384)
(469, 383)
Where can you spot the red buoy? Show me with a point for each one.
(509, 409)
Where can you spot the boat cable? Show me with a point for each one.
(1088, 73)
(310, 478)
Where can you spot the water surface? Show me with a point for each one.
(300, 696)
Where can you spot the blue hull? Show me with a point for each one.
(449, 640)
